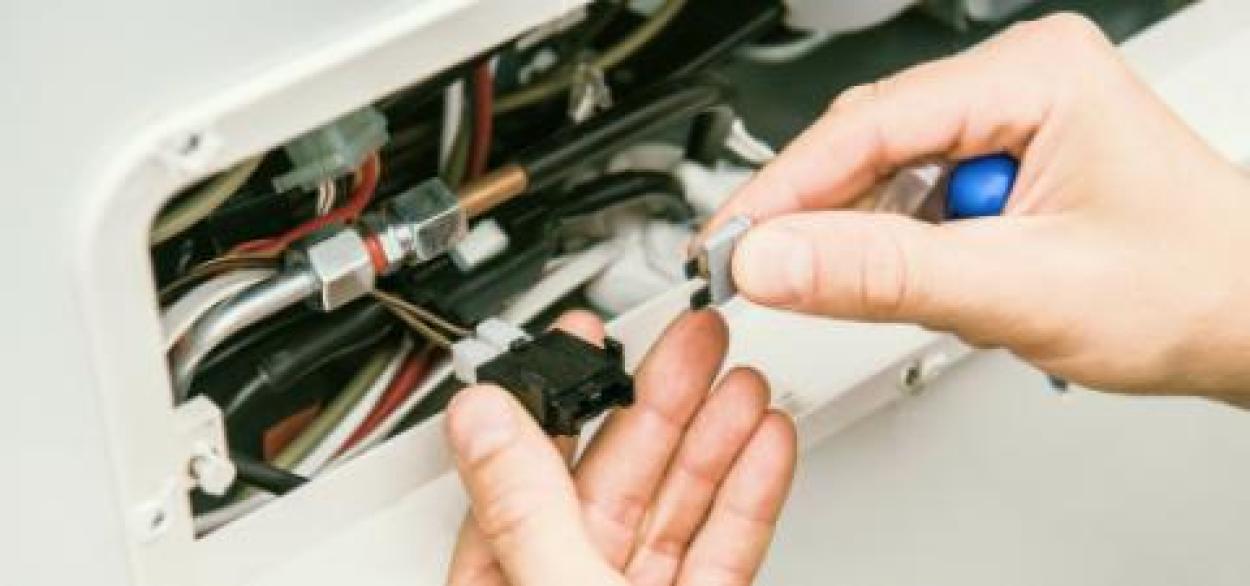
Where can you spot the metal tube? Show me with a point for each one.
(232, 316)
(485, 193)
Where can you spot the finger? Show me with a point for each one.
(716, 436)
(980, 279)
(473, 561)
(622, 467)
(732, 542)
(582, 324)
(979, 102)
(521, 496)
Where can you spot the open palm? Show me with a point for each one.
(684, 487)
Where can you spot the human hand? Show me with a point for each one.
(683, 487)
(1119, 262)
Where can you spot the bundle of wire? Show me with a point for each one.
(398, 375)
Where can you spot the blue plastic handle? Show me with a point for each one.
(979, 187)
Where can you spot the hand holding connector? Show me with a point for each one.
(560, 379)
(743, 454)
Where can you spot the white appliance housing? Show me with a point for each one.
(113, 106)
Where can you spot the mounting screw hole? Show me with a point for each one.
(191, 144)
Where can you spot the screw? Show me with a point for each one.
(191, 144)
(919, 373)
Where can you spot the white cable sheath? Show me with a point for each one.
(317, 459)
(453, 114)
(747, 146)
(177, 318)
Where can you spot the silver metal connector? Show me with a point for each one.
(342, 267)
(713, 262)
(419, 224)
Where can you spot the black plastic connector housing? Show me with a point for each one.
(562, 380)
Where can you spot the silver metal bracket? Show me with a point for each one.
(713, 262)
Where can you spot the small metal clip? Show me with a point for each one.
(713, 263)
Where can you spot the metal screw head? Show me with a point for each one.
(922, 371)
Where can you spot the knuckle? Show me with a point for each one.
(1073, 26)
(858, 96)
(509, 512)
(622, 513)
(1063, 31)
(885, 274)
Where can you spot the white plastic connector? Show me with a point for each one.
(492, 338)
(708, 189)
(499, 333)
(485, 241)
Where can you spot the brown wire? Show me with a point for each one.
(424, 329)
(423, 314)
(216, 266)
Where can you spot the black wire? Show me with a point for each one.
(592, 30)
(612, 189)
(259, 474)
(307, 349)
(568, 150)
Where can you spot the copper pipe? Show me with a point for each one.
(488, 191)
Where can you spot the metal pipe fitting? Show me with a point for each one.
(232, 316)
(342, 267)
(419, 224)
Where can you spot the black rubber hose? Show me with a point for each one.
(262, 475)
(566, 151)
(343, 332)
(613, 189)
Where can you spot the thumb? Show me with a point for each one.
(966, 277)
(522, 497)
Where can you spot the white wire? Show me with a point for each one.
(317, 459)
(177, 318)
(437, 376)
(747, 146)
(327, 192)
(579, 268)
(453, 117)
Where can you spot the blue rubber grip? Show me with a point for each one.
(979, 187)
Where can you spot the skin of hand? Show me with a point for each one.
(682, 487)
(1119, 262)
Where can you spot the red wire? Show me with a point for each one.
(401, 387)
(370, 172)
(377, 255)
(483, 111)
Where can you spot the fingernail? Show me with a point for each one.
(773, 265)
(480, 422)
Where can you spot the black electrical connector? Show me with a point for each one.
(562, 380)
